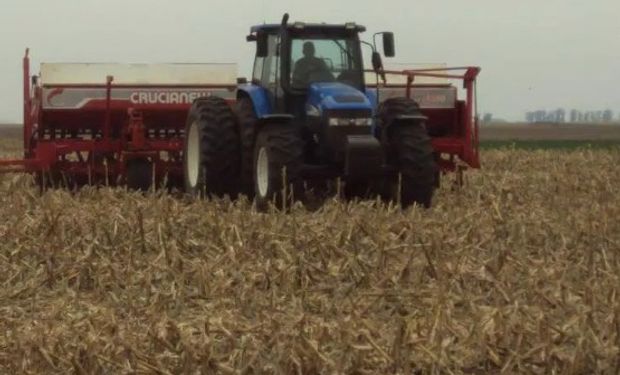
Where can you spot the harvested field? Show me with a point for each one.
(519, 272)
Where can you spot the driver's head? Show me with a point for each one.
(309, 49)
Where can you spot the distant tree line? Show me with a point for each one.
(560, 116)
(489, 118)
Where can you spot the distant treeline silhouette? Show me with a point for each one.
(560, 116)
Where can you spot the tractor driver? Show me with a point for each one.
(310, 68)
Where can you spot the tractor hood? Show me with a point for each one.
(335, 96)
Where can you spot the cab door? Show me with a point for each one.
(267, 72)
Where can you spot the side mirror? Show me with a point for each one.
(262, 49)
(377, 64)
(388, 44)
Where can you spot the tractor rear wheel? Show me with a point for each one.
(246, 117)
(410, 150)
(139, 174)
(278, 159)
(211, 149)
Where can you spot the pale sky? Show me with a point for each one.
(534, 54)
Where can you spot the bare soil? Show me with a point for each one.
(549, 132)
(10, 131)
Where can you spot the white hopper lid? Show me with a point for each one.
(138, 74)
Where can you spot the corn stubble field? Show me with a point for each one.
(519, 272)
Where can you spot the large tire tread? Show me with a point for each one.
(285, 149)
(219, 148)
(247, 120)
(410, 150)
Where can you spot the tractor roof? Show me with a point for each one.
(271, 28)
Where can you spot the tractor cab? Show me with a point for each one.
(307, 68)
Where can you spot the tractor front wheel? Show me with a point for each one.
(415, 162)
(410, 150)
(211, 149)
(278, 159)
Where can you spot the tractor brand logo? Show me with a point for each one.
(167, 97)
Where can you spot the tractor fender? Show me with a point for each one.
(262, 107)
(398, 121)
(395, 112)
(259, 97)
(371, 94)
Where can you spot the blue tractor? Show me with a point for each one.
(306, 118)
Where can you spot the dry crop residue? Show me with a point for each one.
(518, 272)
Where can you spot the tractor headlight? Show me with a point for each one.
(334, 121)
